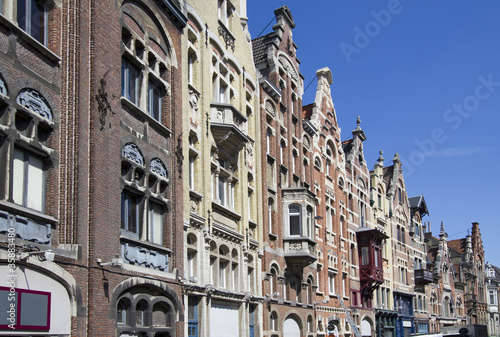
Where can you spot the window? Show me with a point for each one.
(379, 198)
(191, 59)
(141, 313)
(270, 215)
(309, 222)
(154, 101)
(142, 208)
(310, 324)
(28, 180)
(155, 225)
(224, 181)
(365, 259)
(331, 283)
(192, 316)
(273, 321)
(122, 312)
(130, 81)
(493, 297)
(295, 220)
(344, 284)
(130, 219)
(191, 172)
(145, 71)
(32, 17)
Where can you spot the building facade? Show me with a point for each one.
(88, 99)
(221, 148)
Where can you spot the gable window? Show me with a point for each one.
(295, 220)
(32, 17)
(28, 180)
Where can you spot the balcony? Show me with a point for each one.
(371, 272)
(300, 250)
(423, 276)
(228, 126)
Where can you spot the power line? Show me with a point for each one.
(266, 27)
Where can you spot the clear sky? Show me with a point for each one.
(425, 78)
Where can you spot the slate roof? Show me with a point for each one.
(260, 50)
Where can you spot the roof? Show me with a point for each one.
(388, 173)
(458, 245)
(419, 202)
(497, 272)
(259, 49)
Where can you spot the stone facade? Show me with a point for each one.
(223, 223)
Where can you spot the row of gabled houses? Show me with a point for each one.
(162, 177)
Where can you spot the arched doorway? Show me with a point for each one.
(291, 328)
(366, 327)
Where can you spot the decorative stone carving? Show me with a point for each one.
(25, 228)
(132, 152)
(34, 101)
(157, 166)
(145, 257)
(193, 99)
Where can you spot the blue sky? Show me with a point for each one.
(425, 78)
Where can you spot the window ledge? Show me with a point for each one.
(129, 105)
(31, 213)
(273, 236)
(150, 245)
(195, 195)
(50, 55)
(226, 211)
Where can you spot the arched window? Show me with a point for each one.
(141, 313)
(310, 324)
(161, 315)
(273, 320)
(123, 312)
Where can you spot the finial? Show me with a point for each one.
(442, 233)
(358, 121)
(396, 158)
(381, 159)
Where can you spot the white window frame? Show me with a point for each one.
(28, 188)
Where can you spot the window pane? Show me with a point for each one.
(18, 177)
(155, 234)
(364, 256)
(154, 101)
(133, 88)
(35, 183)
(37, 21)
(21, 14)
(222, 190)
